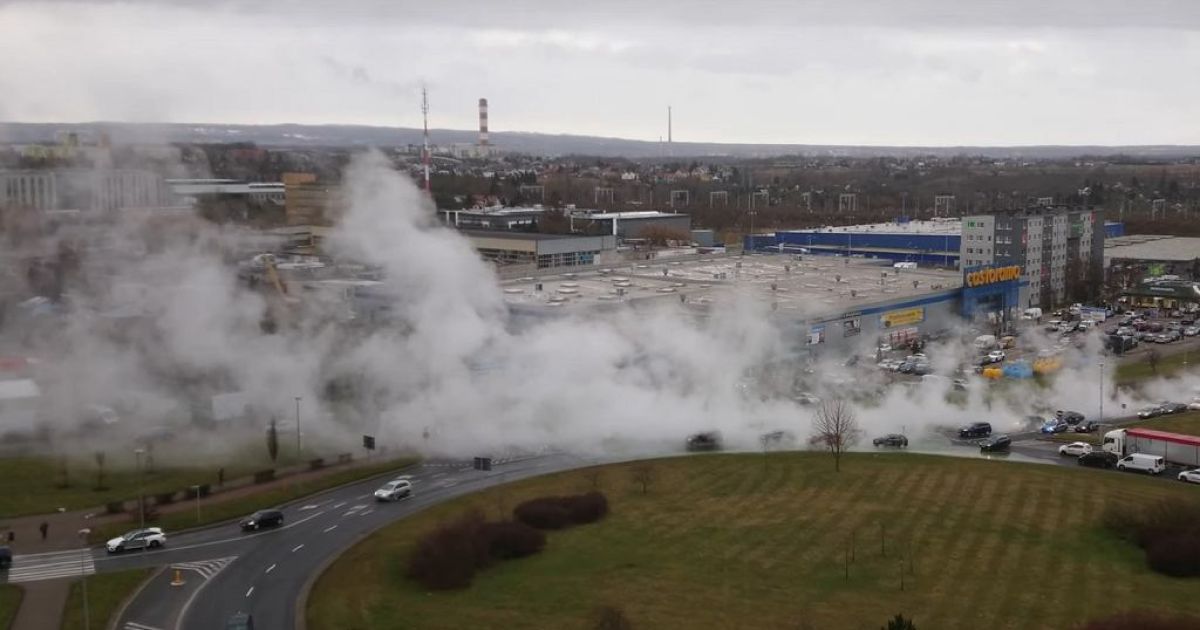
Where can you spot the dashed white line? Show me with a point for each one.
(366, 512)
(329, 529)
(297, 548)
(270, 568)
(250, 592)
(339, 505)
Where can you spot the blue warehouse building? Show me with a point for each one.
(932, 243)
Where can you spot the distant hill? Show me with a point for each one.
(538, 143)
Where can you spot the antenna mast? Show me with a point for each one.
(425, 152)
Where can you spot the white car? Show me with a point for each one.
(1195, 404)
(149, 538)
(996, 356)
(394, 490)
(806, 398)
(1190, 476)
(1075, 448)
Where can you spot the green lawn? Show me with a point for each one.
(1167, 365)
(34, 485)
(747, 541)
(10, 601)
(1187, 423)
(241, 506)
(106, 592)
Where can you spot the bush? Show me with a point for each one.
(447, 557)
(164, 498)
(1142, 620)
(543, 513)
(560, 512)
(263, 476)
(316, 464)
(1168, 531)
(512, 539)
(114, 507)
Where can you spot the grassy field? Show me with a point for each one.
(753, 541)
(106, 591)
(219, 511)
(1187, 423)
(34, 485)
(10, 600)
(1169, 365)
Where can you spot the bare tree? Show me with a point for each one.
(100, 459)
(643, 475)
(835, 427)
(272, 441)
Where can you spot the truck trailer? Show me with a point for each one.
(1176, 448)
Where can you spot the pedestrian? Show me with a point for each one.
(44, 528)
(12, 536)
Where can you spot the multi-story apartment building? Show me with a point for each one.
(1060, 250)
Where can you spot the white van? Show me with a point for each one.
(1149, 464)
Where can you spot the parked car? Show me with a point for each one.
(1153, 411)
(1072, 417)
(806, 398)
(961, 384)
(996, 356)
(1190, 476)
(706, 441)
(1172, 407)
(1075, 448)
(261, 519)
(5, 558)
(1087, 426)
(975, 430)
(394, 490)
(1149, 464)
(995, 443)
(891, 439)
(1191, 331)
(1054, 425)
(149, 538)
(1098, 459)
(1195, 404)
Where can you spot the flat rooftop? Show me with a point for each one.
(1153, 247)
(520, 236)
(812, 287)
(951, 227)
(636, 214)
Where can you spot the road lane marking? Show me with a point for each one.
(297, 547)
(250, 592)
(339, 505)
(331, 528)
(206, 568)
(310, 506)
(366, 512)
(229, 540)
(133, 625)
(270, 568)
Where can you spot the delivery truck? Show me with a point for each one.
(1176, 448)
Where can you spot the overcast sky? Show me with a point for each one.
(930, 72)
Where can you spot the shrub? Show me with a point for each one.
(263, 476)
(164, 498)
(543, 513)
(447, 557)
(1168, 531)
(900, 623)
(316, 464)
(1142, 620)
(512, 539)
(114, 507)
(560, 512)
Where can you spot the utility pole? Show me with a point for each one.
(87, 617)
(141, 490)
(298, 428)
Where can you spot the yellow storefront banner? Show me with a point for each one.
(905, 317)
(993, 275)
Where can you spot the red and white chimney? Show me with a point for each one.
(483, 132)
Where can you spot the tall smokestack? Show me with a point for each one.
(483, 133)
(425, 148)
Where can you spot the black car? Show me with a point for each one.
(995, 443)
(707, 441)
(262, 519)
(1087, 426)
(891, 439)
(1072, 417)
(5, 558)
(1098, 459)
(1173, 407)
(975, 430)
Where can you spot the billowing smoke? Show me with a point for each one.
(156, 332)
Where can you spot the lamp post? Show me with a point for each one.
(298, 428)
(196, 493)
(141, 492)
(1101, 421)
(83, 558)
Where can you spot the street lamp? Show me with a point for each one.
(83, 558)
(298, 428)
(141, 493)
(196, 492)
(1101, 422)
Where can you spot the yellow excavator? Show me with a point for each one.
(278, 308)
